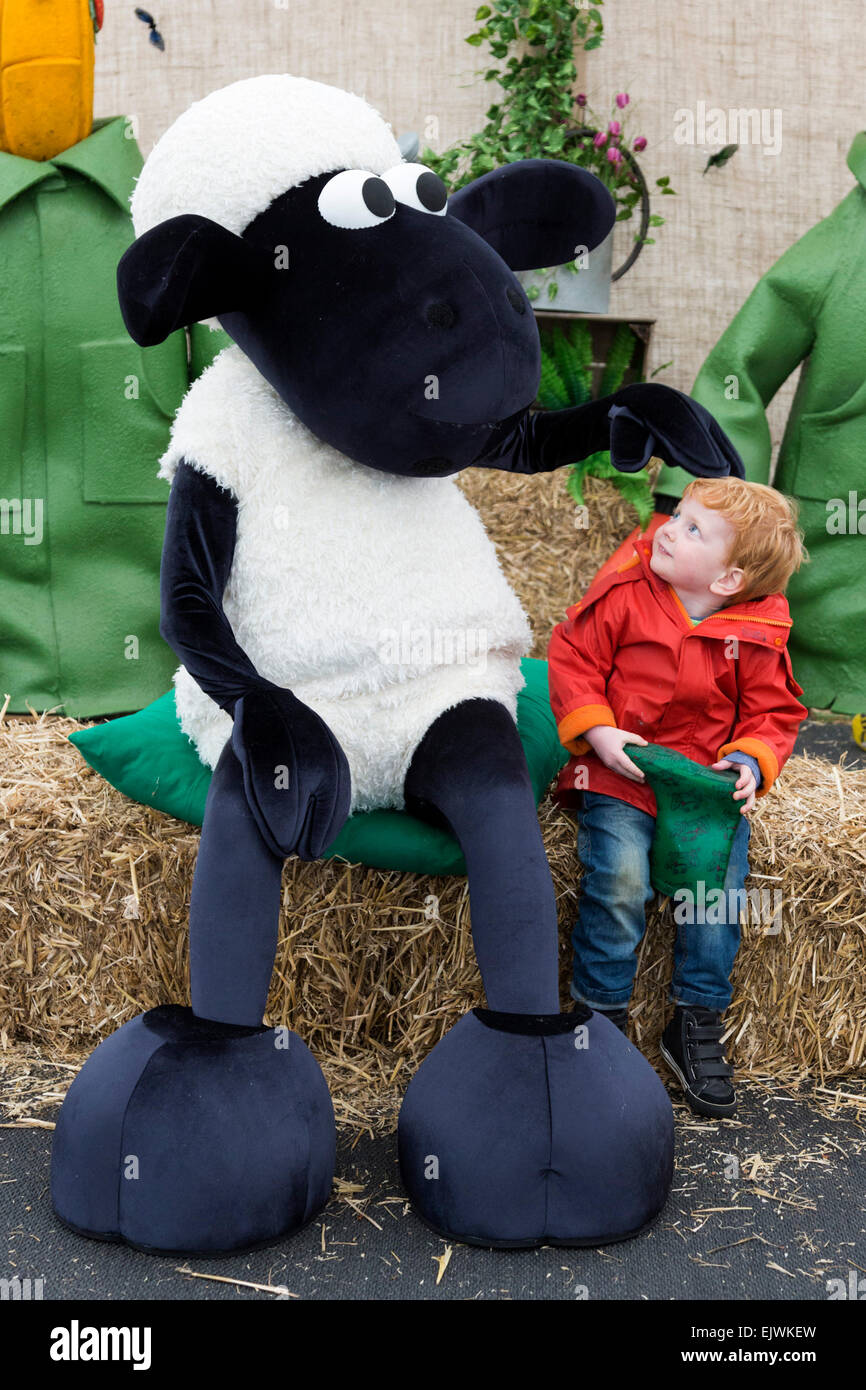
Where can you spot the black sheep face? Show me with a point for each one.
(399, 342)
(386, 315)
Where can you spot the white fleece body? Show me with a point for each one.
(378, 600)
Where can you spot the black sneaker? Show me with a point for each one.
(691, 1046)
(617, 1016)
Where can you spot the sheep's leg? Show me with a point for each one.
(469, 771)
(234, 906)
(522, 1126)
(227, 1126)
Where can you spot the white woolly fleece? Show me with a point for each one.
(228, 156)
(378, 600)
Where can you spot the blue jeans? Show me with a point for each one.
(613, 844)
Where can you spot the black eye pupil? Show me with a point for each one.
(516, 300)
(378, 197)
(431, 191)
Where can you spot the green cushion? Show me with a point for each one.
(148, 758)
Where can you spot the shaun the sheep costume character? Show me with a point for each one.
(382, 342)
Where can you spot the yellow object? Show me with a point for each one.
(46, 76)
(858, 729)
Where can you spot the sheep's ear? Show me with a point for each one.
(186, 269)
(536, 212)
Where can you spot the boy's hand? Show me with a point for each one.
(746, 784)
(608, 744)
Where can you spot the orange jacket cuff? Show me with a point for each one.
(584, 717)
(764, 756)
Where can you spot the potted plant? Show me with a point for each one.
(534, 42)
(605, 147)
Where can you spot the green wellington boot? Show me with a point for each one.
(696, 820)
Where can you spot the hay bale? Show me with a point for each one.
(372, 968)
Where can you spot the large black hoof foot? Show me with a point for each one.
(188, 1136)
(518, 1131)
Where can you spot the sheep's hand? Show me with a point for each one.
(296, 777)
(651, 420)
(638, 422)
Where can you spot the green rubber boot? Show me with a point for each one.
(696, 821)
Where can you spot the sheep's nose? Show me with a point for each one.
(441, 314)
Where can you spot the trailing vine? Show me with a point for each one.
(536, 110)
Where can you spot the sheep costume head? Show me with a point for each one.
(386, 315)
(381, 342)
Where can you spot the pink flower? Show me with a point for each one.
(600, 140)
(640, 143)
(614, 127)
(622, 100)
(581, 99)
(614, 155)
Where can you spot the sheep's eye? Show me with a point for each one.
(418, 187)
(356, 198)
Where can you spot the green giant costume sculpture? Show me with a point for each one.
(809, 308)
(84, 414)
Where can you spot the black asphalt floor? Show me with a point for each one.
(770, 1205)
(831, 739)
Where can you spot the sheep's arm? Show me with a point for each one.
(200, 534)
(296, 777)
(637, 423)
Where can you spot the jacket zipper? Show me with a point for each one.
(746, 618)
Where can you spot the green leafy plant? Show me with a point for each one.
(566, 380)
(534, 44)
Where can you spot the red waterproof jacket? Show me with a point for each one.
(628, 655)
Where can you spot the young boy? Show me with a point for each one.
(684, 645)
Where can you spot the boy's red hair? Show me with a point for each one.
(768, 546)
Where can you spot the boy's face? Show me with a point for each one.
(689, 552)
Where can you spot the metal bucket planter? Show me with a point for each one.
(586, 291)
